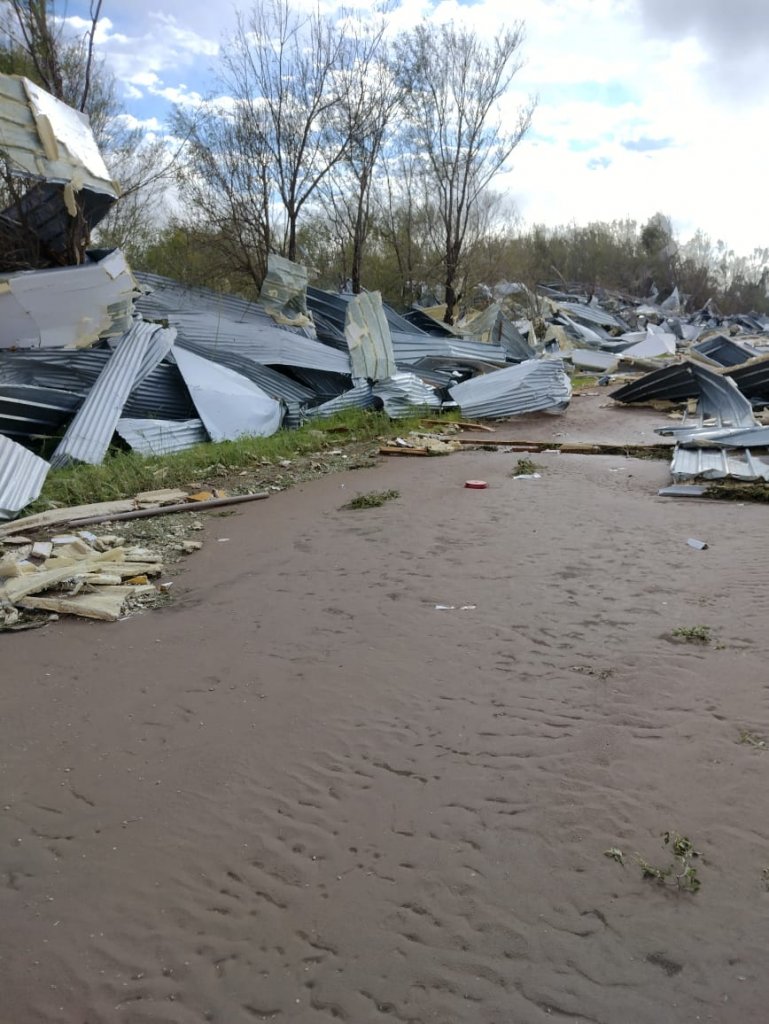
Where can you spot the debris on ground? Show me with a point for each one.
(96, 359)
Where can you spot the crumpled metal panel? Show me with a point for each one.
(284, 290)
(532, 386)
(45, 139)
(230, 405)
(66, 307)
(720, 397)
(22, 475)
(161, 437)
(409, 348)
(368, 338)
(333, 306)
(90, 432)
(674, 383)
(403, 394)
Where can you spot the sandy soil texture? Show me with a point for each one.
(305, 794)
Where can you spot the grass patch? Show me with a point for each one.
(583, 381)
(732, 490)
(123, 474)
(693, 634)
(374, 499)
(525, 467)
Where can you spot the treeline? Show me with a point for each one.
(371, 158)
(638, 260)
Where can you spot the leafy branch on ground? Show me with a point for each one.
(693, 634)
(752, 739)
(681, 871)
(373, 499)
(525, 467)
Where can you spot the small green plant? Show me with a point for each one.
(615, 854)
(525, 467)
(374, 499)
(681, 871)
(693, 634)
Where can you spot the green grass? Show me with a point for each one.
(693, 634)
(123, 474)
(374, 499)
(583, 381)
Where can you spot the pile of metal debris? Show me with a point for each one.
(94, 357)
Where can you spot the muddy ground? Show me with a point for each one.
(304, 793)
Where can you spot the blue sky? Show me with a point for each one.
(644, 105)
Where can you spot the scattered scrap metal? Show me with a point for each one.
(94, 356)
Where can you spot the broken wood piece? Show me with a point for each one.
(464, 424)
(143, 513)
(21, 587)
(166, 496)
(105, 606)
(64, 515)
(390, 450)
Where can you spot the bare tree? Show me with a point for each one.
(282, 65)
(368, 98)
(453, 83)
(226, 185)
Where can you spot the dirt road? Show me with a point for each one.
(306, 794)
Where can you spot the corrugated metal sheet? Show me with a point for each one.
(359, 397)
(162, 296)
(674, 383)
(593, 314)
(27, 411)
(707, 464)
(724, 351)
(732, 437)
(333, 307)
(277, 385)
(261, 342)
(591, 359)
(368, 338)
(752, 377)
(161, 437)
(529, 387)
(229, 404)
(89, 434)
(22, 475)
(721, 398)
(403, 394)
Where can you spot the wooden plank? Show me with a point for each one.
(64, 515)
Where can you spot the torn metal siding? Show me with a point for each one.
(22, 475)
(277, 385)
(45, 139)
(229, 404)
(161, 437)
(66, 307)
(368, 338)
(529, 387)
(284, 290)
(90, 432)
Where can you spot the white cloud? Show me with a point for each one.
(644, 105)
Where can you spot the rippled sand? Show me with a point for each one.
(304, 794)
